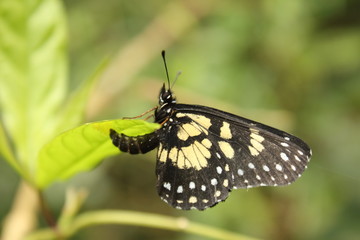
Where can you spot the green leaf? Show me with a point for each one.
(33, 73)
(82, 148)
(6, 152)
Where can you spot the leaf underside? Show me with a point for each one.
(82, 148)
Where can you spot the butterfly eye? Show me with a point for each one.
(166, 96)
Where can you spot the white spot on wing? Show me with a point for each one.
(182, 135)
(253, 151)
(225, 131)
(167, 185)
(226, 149)
(255, 135)
(204, 151)
(163, 155)
(257, 145)
(251, 165)
(191, 185)
(180, 189)
(226, 183)
(199, 119)
(173, 154)
(192, 199)
(206, 142)
(214, 181)
(278, 167)
(194, 156)
(284, 156)
(188, 130)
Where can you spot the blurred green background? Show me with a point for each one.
(294, 65)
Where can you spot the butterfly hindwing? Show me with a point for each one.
(205, 152)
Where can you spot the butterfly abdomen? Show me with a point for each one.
(135, 145)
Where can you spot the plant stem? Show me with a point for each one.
(139, 219)
(49, 217)
(22, 217)
(45, 211)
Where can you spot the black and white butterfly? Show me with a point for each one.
(203, 153)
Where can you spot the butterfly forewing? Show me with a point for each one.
(205, 152)
(187, 176)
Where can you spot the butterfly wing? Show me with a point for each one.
(204, 153)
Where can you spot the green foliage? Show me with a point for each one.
(33, 74)
(82, 148)
(34, 102)
(5, 150)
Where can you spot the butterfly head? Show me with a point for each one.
(166, 103)
(166, 96)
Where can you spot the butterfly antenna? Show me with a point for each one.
(166, 68)
(176, 77)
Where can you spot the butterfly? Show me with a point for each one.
(203, 153)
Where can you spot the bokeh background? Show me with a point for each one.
(294, 65)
